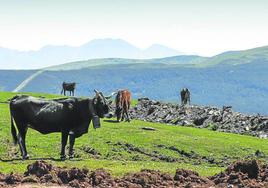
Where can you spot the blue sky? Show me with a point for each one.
(205, 27)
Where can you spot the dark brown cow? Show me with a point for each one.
(185, 96)
(68, 87)
(122, 102)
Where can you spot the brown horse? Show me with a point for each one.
(68, 87)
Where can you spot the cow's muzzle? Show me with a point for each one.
(108, 115)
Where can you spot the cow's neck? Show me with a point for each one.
(92, 108)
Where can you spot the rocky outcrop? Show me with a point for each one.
(224, 119)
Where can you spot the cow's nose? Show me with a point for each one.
(109, 115)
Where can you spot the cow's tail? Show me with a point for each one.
(13, 129)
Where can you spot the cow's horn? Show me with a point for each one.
(96, 91)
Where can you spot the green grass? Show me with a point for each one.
(110, 143)
(5, 96)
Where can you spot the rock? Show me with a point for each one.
(148, 128)
(224, 119)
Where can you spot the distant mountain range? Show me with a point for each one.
(259, 54)
(236, 78)
(98, 48)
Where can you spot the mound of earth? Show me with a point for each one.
(243, 174)
(240, 174)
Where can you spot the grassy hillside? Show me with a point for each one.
(182, 60)
(238, 57)
(125, 147)
(10, 79)
(237, 86)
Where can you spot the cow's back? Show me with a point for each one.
(123, 98)
(45, 116)
(69, 86)
(127, 96)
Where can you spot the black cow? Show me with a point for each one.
(68, 87)
(185, 96)
(70, 116)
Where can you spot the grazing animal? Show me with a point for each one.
(70, 116)
(68, 87)
(185, 96)
(122, 102)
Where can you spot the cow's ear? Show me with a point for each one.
(95, 101)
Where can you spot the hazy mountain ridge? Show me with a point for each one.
(227, 58)
(99, 48)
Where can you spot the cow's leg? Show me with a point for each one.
(64, 138)
(71, 143)
(20, 145)
(118, 117)
(64, 92)
(122, 115)
(118, 114)
(21, 137)
(127, 115)
(189, 100)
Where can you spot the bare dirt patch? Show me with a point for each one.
(42, 174)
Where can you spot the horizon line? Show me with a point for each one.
(107, 38)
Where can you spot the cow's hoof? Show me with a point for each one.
(71, 156)
(63, 157)
(25, 157)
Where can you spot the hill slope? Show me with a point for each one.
(242, 86)
(239, 57)
(180, 60)
(117, 145)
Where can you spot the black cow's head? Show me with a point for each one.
(101, 105)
